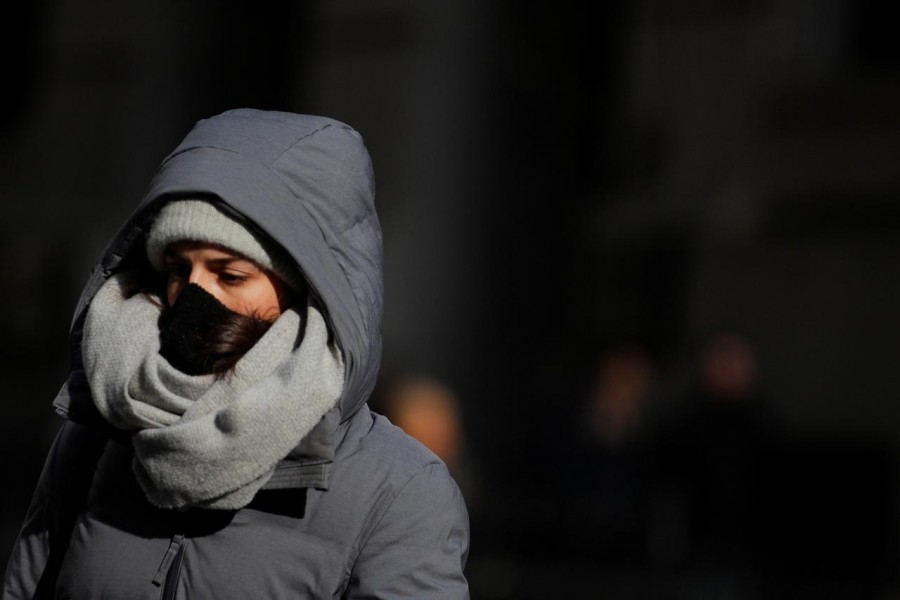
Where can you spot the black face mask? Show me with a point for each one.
(186, 328)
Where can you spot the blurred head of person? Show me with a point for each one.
(618, 399)
(728, 368)
(429, 411)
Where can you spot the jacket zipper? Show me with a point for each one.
(169, 570)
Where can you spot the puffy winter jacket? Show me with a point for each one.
(357, 510)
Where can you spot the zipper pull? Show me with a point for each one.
(174, 546)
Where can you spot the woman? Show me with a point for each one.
(217, 442)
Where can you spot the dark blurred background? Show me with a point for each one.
(641, 259)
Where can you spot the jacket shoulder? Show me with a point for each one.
(376, 459)
(406, 454)
(418, 538)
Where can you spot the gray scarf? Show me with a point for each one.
(198, 440)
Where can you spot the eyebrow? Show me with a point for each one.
(218, 262)
(221, 262)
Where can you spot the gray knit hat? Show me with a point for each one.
(202, 221)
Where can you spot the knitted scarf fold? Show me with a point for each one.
(202, 441)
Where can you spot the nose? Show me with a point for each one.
(199, 276)
(205, 279)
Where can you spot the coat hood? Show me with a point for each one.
(306, 182)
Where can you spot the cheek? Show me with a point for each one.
(269, 307)
(257, 299)
(173, 289)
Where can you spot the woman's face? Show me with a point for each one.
(236, 282)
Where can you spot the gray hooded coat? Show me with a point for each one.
(357, 510)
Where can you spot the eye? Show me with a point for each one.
(231, 279)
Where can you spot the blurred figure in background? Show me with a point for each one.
(710, 463)
(608, 477)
